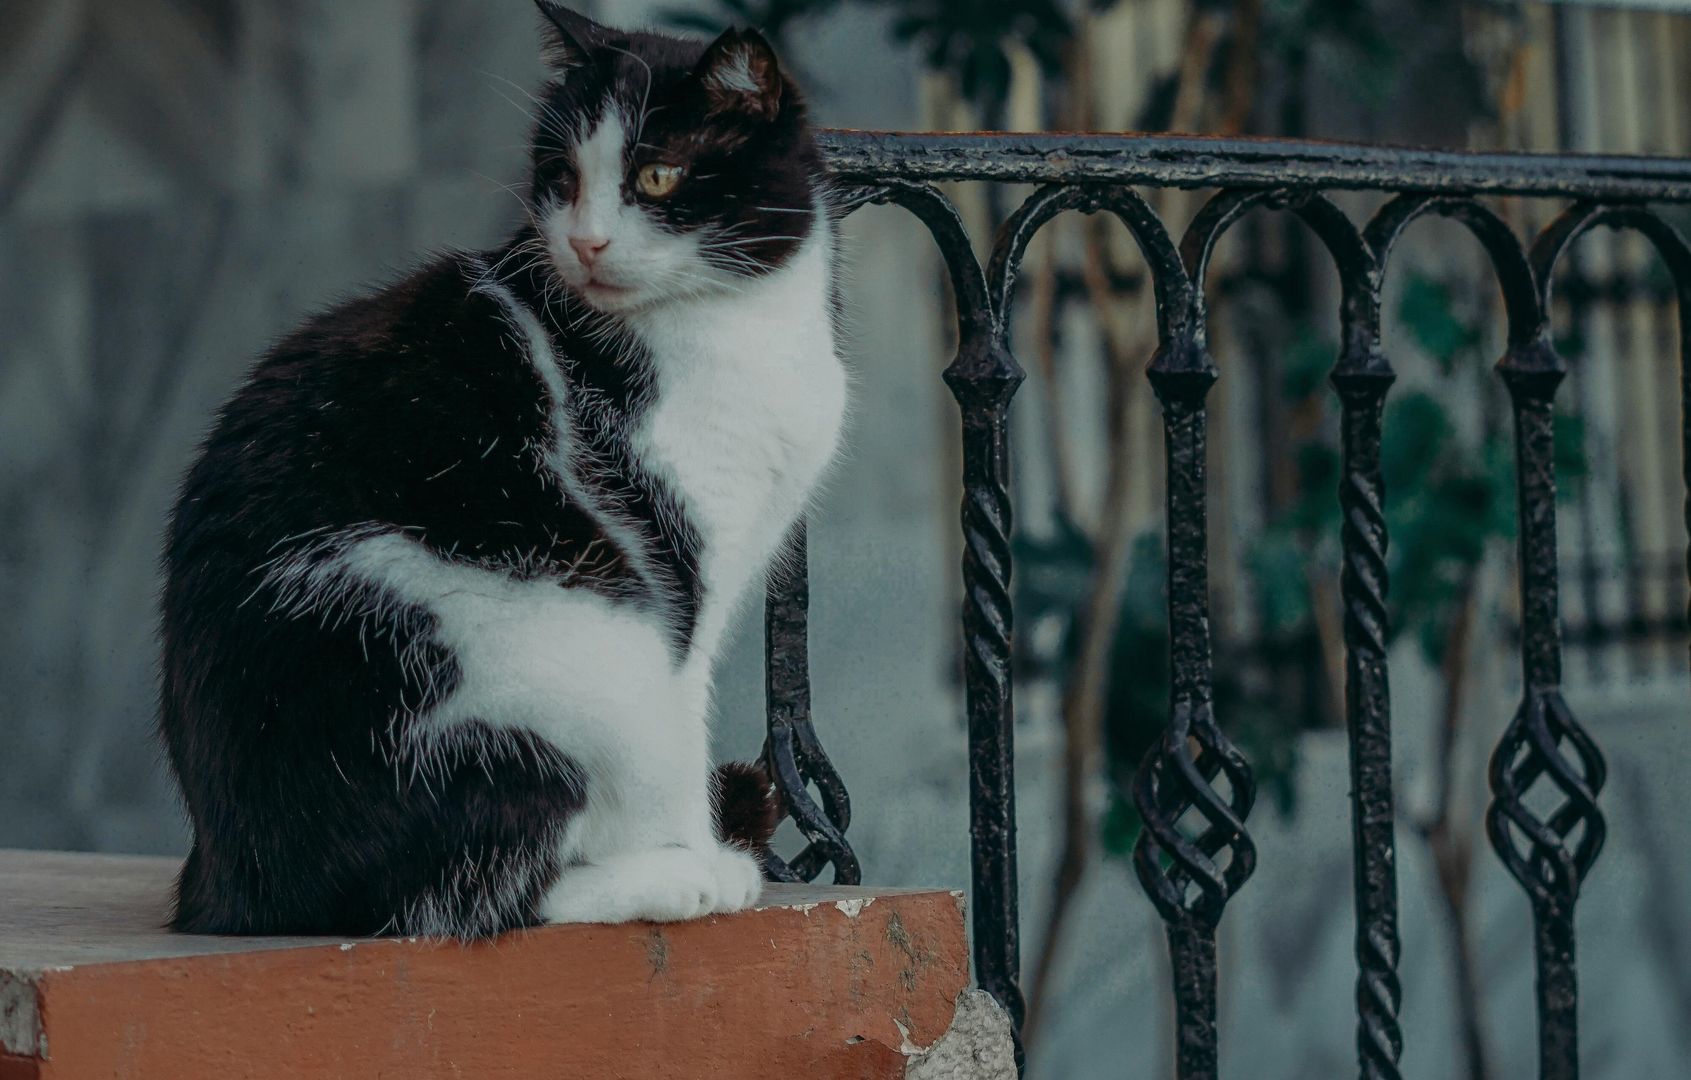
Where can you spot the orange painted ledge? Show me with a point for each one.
(816, 983)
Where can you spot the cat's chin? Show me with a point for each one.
(611, 298)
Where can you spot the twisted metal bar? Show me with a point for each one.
(1362, 378)
(791, 751)
(1167, 273)
(1362, 383)
(1174, 780)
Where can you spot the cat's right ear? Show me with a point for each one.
(567, 39)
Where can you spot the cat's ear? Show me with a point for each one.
(740, 75)
(567, 39)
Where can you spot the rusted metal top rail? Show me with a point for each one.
(1198, 161)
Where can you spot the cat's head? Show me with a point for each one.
(665, 167)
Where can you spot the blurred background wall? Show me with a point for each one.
(182, 180)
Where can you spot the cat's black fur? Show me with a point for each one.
(415, 408)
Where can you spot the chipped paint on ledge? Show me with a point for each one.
(977, 1045)
(20, 1015)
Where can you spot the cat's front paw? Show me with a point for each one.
(739, 879)
(662, 885)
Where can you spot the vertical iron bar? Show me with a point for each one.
(1191, 950)
(1191, 937)
(1362, 379)
(1541, 644)
(1683, 284)
(983, 378)
(1558, 993)
(1190, 875)
(1542, 666)
(1547, 867)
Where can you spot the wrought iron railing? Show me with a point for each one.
(1194, 790)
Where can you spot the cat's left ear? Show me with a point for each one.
(567, 39)
(741, 76)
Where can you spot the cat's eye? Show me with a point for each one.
(656, 180)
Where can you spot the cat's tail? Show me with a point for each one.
(747, 810)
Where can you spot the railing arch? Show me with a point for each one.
(1169, 281)
(1675, 252)
(1515, 277)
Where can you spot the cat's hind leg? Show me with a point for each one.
(596, 680)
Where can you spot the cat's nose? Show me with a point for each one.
(588, 248)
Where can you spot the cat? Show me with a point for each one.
(446, 582)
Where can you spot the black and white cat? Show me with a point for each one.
(445, 586)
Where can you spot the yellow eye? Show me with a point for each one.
(656, 180)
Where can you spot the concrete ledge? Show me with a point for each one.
(821, 983)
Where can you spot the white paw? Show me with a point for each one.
(739, 881)
(661, 885)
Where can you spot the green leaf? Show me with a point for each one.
(1429, 314)
(1308, 361)
(1571, 464)
(1121, 825)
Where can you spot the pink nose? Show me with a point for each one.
(588, 248)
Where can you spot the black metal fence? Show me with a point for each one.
(1194, 790)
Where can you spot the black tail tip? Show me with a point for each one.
(747, 810)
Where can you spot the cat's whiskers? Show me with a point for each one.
(513, 190)
(535, 246)
(705, 282)
(743, 241)
(724, 232)
(741, 269)
(564, 129)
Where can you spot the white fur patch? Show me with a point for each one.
(735, 74)
(599, 169)
(751, 399)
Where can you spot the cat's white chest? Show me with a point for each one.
(750, 401)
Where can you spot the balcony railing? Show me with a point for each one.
(1195, 789)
